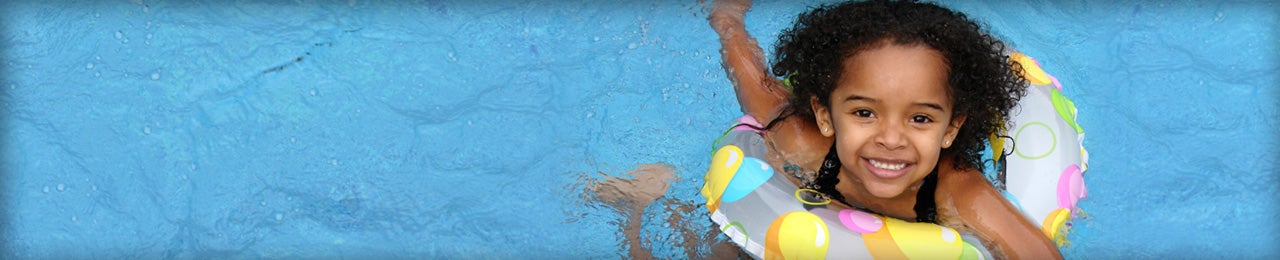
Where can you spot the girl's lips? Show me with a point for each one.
(887, 169)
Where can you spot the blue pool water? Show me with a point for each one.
(445, 129)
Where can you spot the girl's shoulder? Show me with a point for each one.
(965, 194)
(953, 180)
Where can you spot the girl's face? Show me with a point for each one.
(890, 116)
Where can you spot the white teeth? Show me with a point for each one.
(888, 166)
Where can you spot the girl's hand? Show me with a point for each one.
(727, 15)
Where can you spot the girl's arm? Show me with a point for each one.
(759, 94)
(795, 139)
(980, 206)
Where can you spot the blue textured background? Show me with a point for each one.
(434, 129)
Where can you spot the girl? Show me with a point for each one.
(884, 107)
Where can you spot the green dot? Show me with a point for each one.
(1065, 108)
(1018, 138)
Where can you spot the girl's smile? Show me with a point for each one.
(887, 169)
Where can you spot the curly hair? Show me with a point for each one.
(983, 84)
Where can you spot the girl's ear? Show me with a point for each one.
(822, 114)
(953, 129)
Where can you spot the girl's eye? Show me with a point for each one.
(921, 119)
(862, 113)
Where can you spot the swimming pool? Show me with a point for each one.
(442, 129)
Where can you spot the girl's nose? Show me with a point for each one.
(891, 136)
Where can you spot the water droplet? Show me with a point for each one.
(155, 76)
(74, 219)
(146, 130)
(119, 35)
(279, 216)
(62, 187)
(88, 66)
(333, 162)
(313, 92)
(97, 74)
(46, 189)
(293, 140)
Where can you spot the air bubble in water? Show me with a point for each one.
(88, 66)
(155, 76)
(62, 187)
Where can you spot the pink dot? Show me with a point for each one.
(860, 222)
(1070, 187)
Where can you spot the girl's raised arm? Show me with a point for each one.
(759, 94)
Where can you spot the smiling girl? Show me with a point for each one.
(884, 106)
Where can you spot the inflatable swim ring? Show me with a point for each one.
(770, 218)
